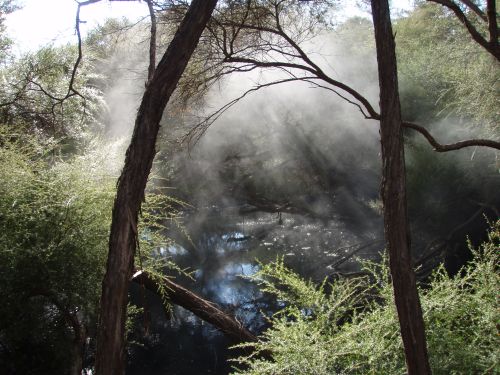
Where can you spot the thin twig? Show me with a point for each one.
(200, 128)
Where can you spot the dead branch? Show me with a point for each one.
(203, 309)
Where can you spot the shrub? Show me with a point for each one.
(351, 326)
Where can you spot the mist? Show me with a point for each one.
(289, 171)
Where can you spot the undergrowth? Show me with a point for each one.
(351, 327)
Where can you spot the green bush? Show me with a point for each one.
(54, 224)
(444, 73)
(55, 217)
(351, 327)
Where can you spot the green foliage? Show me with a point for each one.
(104, 40)
(55, 217)
(323, 329)
(443, 71)
(34, 93)
(6, 7)
(54, 223)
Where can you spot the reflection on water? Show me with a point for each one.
(220, 253)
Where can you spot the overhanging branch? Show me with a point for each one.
(452, 146)
(200, 128)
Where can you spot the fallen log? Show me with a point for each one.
(203, 309)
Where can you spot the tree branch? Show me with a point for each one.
(297, 60)
(475, 9)
(372, 114)
(200, 128)
(203, 309)
(492, 48)
(152, 41)
(311, 67)
(452, 146)
(492, 23)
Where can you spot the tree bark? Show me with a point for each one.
(205, 310)
(132, 183)
(393, 193)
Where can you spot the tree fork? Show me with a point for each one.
(393, 191)
(110, 356)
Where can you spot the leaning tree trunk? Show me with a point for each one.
(203, 309)
(132, 183)
(393, 193)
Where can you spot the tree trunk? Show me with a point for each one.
(132, 183)
(205, 310)
(393, 193)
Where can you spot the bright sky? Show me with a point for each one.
(44, 21)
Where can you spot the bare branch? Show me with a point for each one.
(199, 129)
(316, 84)
(309, 66)
(453, 146)
(258, 49)
(205, 310)
(80, 54)
(71, 89)
(319, 75)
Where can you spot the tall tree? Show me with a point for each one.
(132, 183)
(254, 35)
(393, 192)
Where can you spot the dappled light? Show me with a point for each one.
(251, 187)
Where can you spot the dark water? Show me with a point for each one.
(223, 250)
